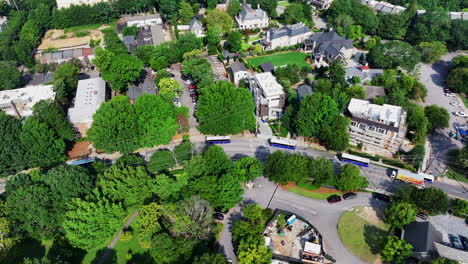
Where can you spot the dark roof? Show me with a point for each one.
(237, 67)
(331, 42)
(38, 78)
(144, 85)
(267, 67)
(422, 235)
(303, 90)
(373, 91)
(291, 31)
(129, 42)
(227, 54)
(195, 24)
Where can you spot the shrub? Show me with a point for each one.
(126, 236)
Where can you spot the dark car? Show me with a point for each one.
(218, 216)
(422, 216)
(349, 196)
(381, 197)
(334, 198)
(447, 90)
(221, 210)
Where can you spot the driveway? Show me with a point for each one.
(185, 98)
(433, 77)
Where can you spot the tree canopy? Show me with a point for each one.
(219, 20)
(399, 214)
(350, 178)
(10, 76)
(396, 250)
(394, 54)
(437, 116)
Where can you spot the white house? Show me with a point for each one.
(286, 36)
(90, 94)
(249, 18)
(238, 71)
(68, 3)
(196, 27)
(20, 102)
(365, 73)
(143, 20)
(268, 95)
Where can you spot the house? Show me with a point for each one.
(286, 36)
(422, 235)
(379, 128)
(327, 47)
(90, 94)
(373, 91)
(130, 43)
(365, 73)
(229, 56)
(145, 85)
(143, 20)
(303, 90)
(83, 54)
(238, 71)
(20, 102)
(249, 18)
(37, 78)
(321, 4)
(267, 67)
(68, 3)
(3, 22)
(383, 7)
(196, 27)
(268, 95)
(222, 5)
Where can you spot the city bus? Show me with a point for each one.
(356, 160)
(218, 139)
(282, 143)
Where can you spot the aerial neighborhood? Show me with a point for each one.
(233, 131)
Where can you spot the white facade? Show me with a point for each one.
(19, 102)
(90, 94)
(378, 128)
(68, 3)
(143, 20)
(268, 95)
(239, 72)
(286, 36)
(250, 18)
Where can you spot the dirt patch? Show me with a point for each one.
(324, 190)
(370, 214)
(57, 38)
(288, 186)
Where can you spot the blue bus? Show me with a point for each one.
(356, 160)
(282, 143)
(218, 139)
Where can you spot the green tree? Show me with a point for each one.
(229, 192)
(234, 8)
(247, 169)
(11, 156)
(356, 91)
(67, 182)
(168, 187)
(431, 26)
(216, 160)
(224, 109)
(115, 126)
(293, 14)
(438, 117)
(321, 170)
(130, 160)
(399, 214)
(315, 110)
(432, 51)
(183, 151)
(158, 63)
(148, 221)
(127, 184)
(335, 136)
(244, 229)
(10, 76)
(234, 41)
(253, 212)
(166, 249)
(458, 80)
(92, 222)
(52, 114)
(252, 250)
(460, 207)
(396, 250)
(68, 73)
(433, 200)
(354, 32)
(169, 88)
(458, 35)
(417, 122)
(392, 26)
(161, 160)
(211, 258)
(185, 12)
(350, 178)
(341, 22)
(443, 261)
(123, 70)
(394, 54)
(219, 20)
(212, 35)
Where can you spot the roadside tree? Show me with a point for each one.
(433, 200)
(432, 51)
(396, 250)
(11, 156)
(437, 116)
(350, 178)
(161, 160)
(10, 76)
(394, 54)
(252, 250)
(169, 88)
(315, 110)
(247, 169)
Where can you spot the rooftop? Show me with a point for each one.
(195, 24)
(142, 17)
(331, 42)
(90, 94)
(249, 13)
(237, 67)
(291, 31)
(373, 91)
(421, 236)
(267, 82)
(385, 114)
(303, 90)
(25, 98)
(144, 85)
(451, 253)
(267, 67)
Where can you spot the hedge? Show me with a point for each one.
(364, 155)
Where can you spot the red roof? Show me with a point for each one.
(365, 67)
(88, 51)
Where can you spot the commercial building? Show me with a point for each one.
(90, 94)
(327, 47)
(20, 102)
(268, 95)
(143, 20)
(249, 18)
(378, 128)
(83, 54)
(321, 4)
(422, 235)
(238, 71)
(286, 36)
(68, 3)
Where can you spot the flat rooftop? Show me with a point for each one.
(90, 94)
(25, 98)
(385, 114)
(267, 82)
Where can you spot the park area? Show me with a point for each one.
(281, 59)
(363, 231)
(310, 190)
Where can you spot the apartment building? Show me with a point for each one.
(20, 102)
(378, 128)
(268, 95)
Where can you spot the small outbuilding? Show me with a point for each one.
(267, 67)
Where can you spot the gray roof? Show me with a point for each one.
(195, 24)
(421, 235)
(248, 13)
(267, 67)
(57, 55)
(373, 91)
(331, 43)
(157, 32)
(144, 85)
(291, 31)
(142, 17)
(237, 67)
(67, 54)
(37, 79)
(303, 90)
(451, 253)
(227, 54)
(129, 42)
(128, 39)
(362, 74)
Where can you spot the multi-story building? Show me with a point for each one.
(378, 128)
(143, 20)
(286, 36)
(321, 4)
(68, 3)
(327, 47)
(268, 95)
(249, 18)
(238, 71)
(20, 102)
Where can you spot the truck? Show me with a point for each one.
(410, 177)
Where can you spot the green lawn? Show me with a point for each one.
(283, 3)
(245, 46)
(281, 59)
(362, 233)
(456, 176)
(283, 131)
(254, 38)
(309, 194)
(308, 186)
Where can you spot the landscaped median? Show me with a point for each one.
(311, 191)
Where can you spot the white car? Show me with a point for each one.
(453, 103)
(461, 114)
(188, 82)
(450, 94)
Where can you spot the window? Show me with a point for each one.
(371, 128)
(381, 131)
(353, 123)
(362, 126)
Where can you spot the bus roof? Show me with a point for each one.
(354, 157)
(427, 176)
(217, 137)
(285, 141)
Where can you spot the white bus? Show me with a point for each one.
(356, 160)
(218, 139)
(282, 143)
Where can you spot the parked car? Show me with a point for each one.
(176, 102)
(464, 241)
(193, 94)
(381, 197)
(188, 81)
(229, 260)
(461, 114)
(391, 173)
(422, 216)
(334, 198)
(349, 196)
(447, 90)
(450, 94)
(192, 87)
(454, 103)
(218, 216)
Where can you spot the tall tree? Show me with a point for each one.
(168, 187)
(252, 250)
(399, 214)
(229, 192)
(68, 73)
(350, 178)
(431, 26)
(438, 117)
(52, 114)
(458, 35)
(183, 152)
(10, 76)
(234, 41)
(185, 12)
(247, 169)
(210, 258)
(322, 170)
(394, 54)
(396, 250)
(432, 51)
(148, 221)
(220, 20)
(169, 88)
(315, 110)
(124, 70)
(234, 8)
(11, 156)
(161, 160)
(335, 136)
(68, 182)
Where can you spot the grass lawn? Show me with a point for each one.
(363, 233)
(254, 38)
(309, 194)
(281, 59)
(283, 3)
(245, 46)
(218, 230)
(283, 131)
(308, 186)
(456, 176)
